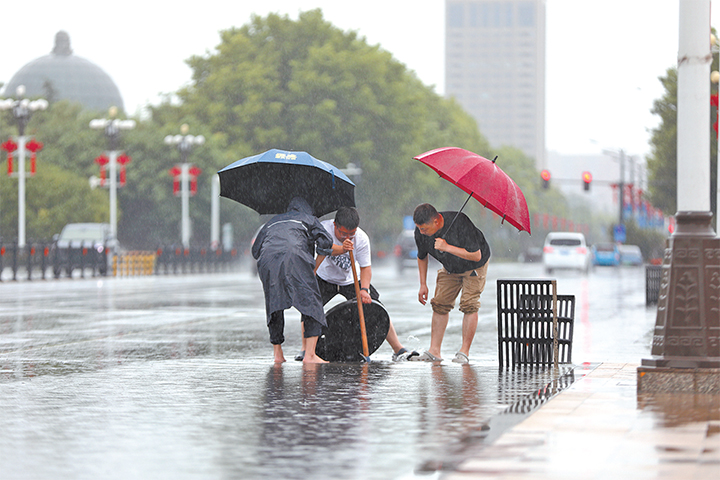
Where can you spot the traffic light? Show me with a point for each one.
(545, 175)
(586, 178)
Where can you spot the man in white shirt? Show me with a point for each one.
(334, 274)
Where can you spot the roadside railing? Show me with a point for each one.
(42, 261)
(653, 279)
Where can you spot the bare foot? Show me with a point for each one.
(278, 354)
(313, 359)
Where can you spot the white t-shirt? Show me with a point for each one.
(336, 269)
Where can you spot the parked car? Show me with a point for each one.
(531, 255)
(566, 250)
(406, 250)
(631, 255)
(66, 249)
(606, 254)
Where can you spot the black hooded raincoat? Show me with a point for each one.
(284, 250)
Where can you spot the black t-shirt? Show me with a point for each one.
(463, 234)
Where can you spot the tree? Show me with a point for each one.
(60, 192)
(306, 85)
(279, 83)
(54, 197)
(662, 161)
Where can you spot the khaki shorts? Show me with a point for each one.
(448, 285)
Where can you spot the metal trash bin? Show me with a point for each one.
(653, 275)
(525, 323)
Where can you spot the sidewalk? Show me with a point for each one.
(599, 429)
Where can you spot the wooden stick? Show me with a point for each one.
(363, 332)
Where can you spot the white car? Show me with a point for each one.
(566, 250)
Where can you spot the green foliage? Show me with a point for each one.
(60, 192)
(662, 161)
(651, 241)
(306, 85)
(53, 198)
(274, 83)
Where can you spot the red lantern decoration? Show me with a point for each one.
(102, 160)
(9, 147)
(194, 172)
(122, 160)
(175, 173)
(34, 146)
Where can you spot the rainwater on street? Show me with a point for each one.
(172, 377)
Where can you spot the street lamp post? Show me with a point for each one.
(111, 127)
(184, 144)
(22, 110)
(685, 354)
(620, 155)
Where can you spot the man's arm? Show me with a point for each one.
(423, 269)
(365, 277)
(442, 246)
(346, 246)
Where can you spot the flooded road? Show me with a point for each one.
(172, 377)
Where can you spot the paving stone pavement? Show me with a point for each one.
(600, 428)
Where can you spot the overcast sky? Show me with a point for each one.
(604, 57)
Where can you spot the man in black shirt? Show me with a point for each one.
(452, 239)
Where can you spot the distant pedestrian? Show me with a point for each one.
(463, 252)
(284, 250)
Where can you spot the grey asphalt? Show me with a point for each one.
(171, 376)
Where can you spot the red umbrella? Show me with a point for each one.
(482, 179)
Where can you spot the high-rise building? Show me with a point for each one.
(495, 68)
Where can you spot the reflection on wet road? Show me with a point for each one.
(171, 377)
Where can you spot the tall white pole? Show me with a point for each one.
(215, 212)
(21, 191)
(694, 60)
(185, 196)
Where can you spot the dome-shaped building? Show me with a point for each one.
(64, 76)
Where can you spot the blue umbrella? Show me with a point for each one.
(268, 181)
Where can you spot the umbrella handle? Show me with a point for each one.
(363, 332)
(458, 213)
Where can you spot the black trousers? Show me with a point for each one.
(329, 290)
(313, 328)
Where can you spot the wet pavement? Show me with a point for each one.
(172, 377)
(600, 428)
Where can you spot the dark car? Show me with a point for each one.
(406, 250)
(83, 244)
(531, 255)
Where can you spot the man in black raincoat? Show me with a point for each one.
(284, 250)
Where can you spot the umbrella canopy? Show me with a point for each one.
(483, 180)
(268, 181)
